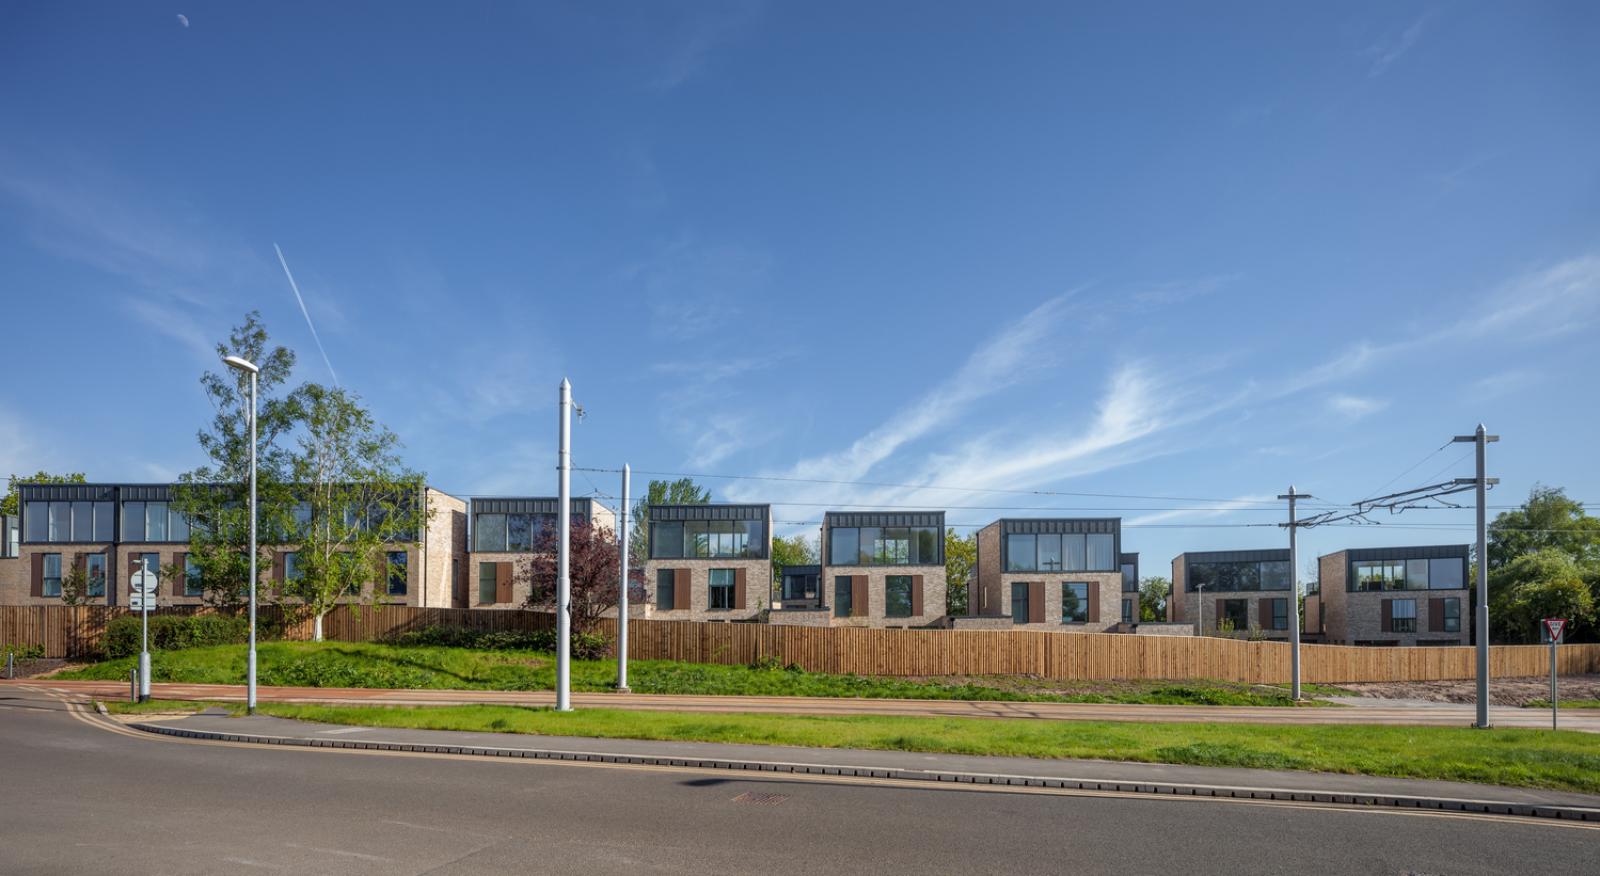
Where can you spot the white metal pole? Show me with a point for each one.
(1294, 608)
(622, 603)
(1553, 694)
(563, 583)
(144, 634)
(250, 666)
(1481, 442)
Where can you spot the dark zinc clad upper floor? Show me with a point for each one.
(1090, 544)
(1235, 571)
(856, 538)
(518, 524)
(710, 531)
(1421, 567)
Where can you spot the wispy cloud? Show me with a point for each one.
(695, 287)
(176, 321)
(1354, 407)
(693, 40)
(1212, 510)
(1391, 48)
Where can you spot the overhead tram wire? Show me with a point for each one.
(1414, 466)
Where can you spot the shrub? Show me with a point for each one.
(585, 646)
(171, 632)
(22, 652)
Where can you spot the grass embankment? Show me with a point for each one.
(1565, 704)
(1565, 761)
(370, 665)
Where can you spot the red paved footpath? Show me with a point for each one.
(1439, 715)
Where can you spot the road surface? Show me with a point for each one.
(84, 795)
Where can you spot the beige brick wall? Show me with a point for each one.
(1161, 629)
(521, 583)
(1363, 615)
(13, 581)
(1331, 572)
(1178, 608)
(933, 595)
(757, 588)
(801, 617)
(1187, 609)
(1107, 584)
(444, 550)
(987, 600)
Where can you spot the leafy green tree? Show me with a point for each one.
(683, 491)
(8, 505)
(960, 559)
(357, 503)
(74, 586)
(1534, 586)
(215, 496)
(1153, 594)
(1547, 520)
(796, 550)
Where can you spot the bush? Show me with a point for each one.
(585, 646)
(172, 632)
(22, 652)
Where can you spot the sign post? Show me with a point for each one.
(142, 595)
(1553, 628)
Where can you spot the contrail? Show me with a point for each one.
(306, 314)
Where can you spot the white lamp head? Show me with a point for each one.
(241, 364)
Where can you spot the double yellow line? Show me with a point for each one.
(87, 714)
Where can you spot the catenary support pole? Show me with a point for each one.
(1294, 589)
(1481, 439)
(622, 597)
(563, 556)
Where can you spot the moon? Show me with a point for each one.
(183, 19)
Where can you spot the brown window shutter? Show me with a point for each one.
(680, 589)
(1035, 602)
(502, 582)
(1216, 619)
(916, 596)
(1094, 602)
(178, 563)
(858, 595)
(36, 589)
(738, 588)
(279, 566)
(1388, 616)
(1436, 615)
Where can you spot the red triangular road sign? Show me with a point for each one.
(1553, 627)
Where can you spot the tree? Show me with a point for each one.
(796, 550)
(1534, 586)
(74, 585)
(592, 574)
(960, 557)
(1153, 594)
(215, 496)
(8, 505)
(356, 504)
(683, 491)
(1547, 520)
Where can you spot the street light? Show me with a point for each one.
(245, 365)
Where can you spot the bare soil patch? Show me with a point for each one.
(1502, 691)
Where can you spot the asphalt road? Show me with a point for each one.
(83, 795)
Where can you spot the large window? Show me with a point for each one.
(1279, 619)
(1051, 552)
(486, 583)
(1452, 614)
(192, 579)
(152, 522)
(94, 567)
(1019, 602)
(1242, 577)
(1449, 574)
(799, 586)
(1127, 611)
(68, 522)
(397, 573)
(1374, 575)
(665, 578)
(1404, 616)
(843, 596)
(1235, 615)
(1074, 603)
(11, 538)
(720, 596)
(489, 532)
(885, 546)
(52, 575)
(1130, 578)
(897, 596)
(709, 539)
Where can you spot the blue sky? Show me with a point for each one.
(1139, 250)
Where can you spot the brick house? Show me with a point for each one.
(879, 570)
(115, 532)
(505, 533)
(1249, 589)
(1053, 574)
(709, 562)
(1393, 596)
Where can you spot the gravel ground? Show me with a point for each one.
(1502, 691)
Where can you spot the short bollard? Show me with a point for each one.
(11, 664)
(133, 685)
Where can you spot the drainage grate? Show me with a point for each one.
(761, 799)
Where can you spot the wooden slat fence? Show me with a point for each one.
(78, 630)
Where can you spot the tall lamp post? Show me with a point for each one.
(250, 368)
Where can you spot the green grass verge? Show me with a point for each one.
(1566, 761)
(370, 665)
(158, 707)
(1565, 704)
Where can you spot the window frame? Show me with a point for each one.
(1451, 624)
(843, 595)
(666, 581)
(192, 583)
(1072, 587)
(400, 560)
(727, 586)
(89, 587)
(1279, 602)
(1395, 618)
(890, 584)
(47, 577)
(1019, 602)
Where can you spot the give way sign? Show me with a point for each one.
(1553, 627)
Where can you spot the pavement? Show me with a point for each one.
(1430, 714)
(87, 795)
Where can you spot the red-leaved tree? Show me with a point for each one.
(594, 570)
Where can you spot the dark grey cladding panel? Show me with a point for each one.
(1414, 552)
(1060, 525)
(663, 513)
(1271, 555)
(531, 505)
(847, 519)
(802, 570)
(69, 492)
(1132, 558)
